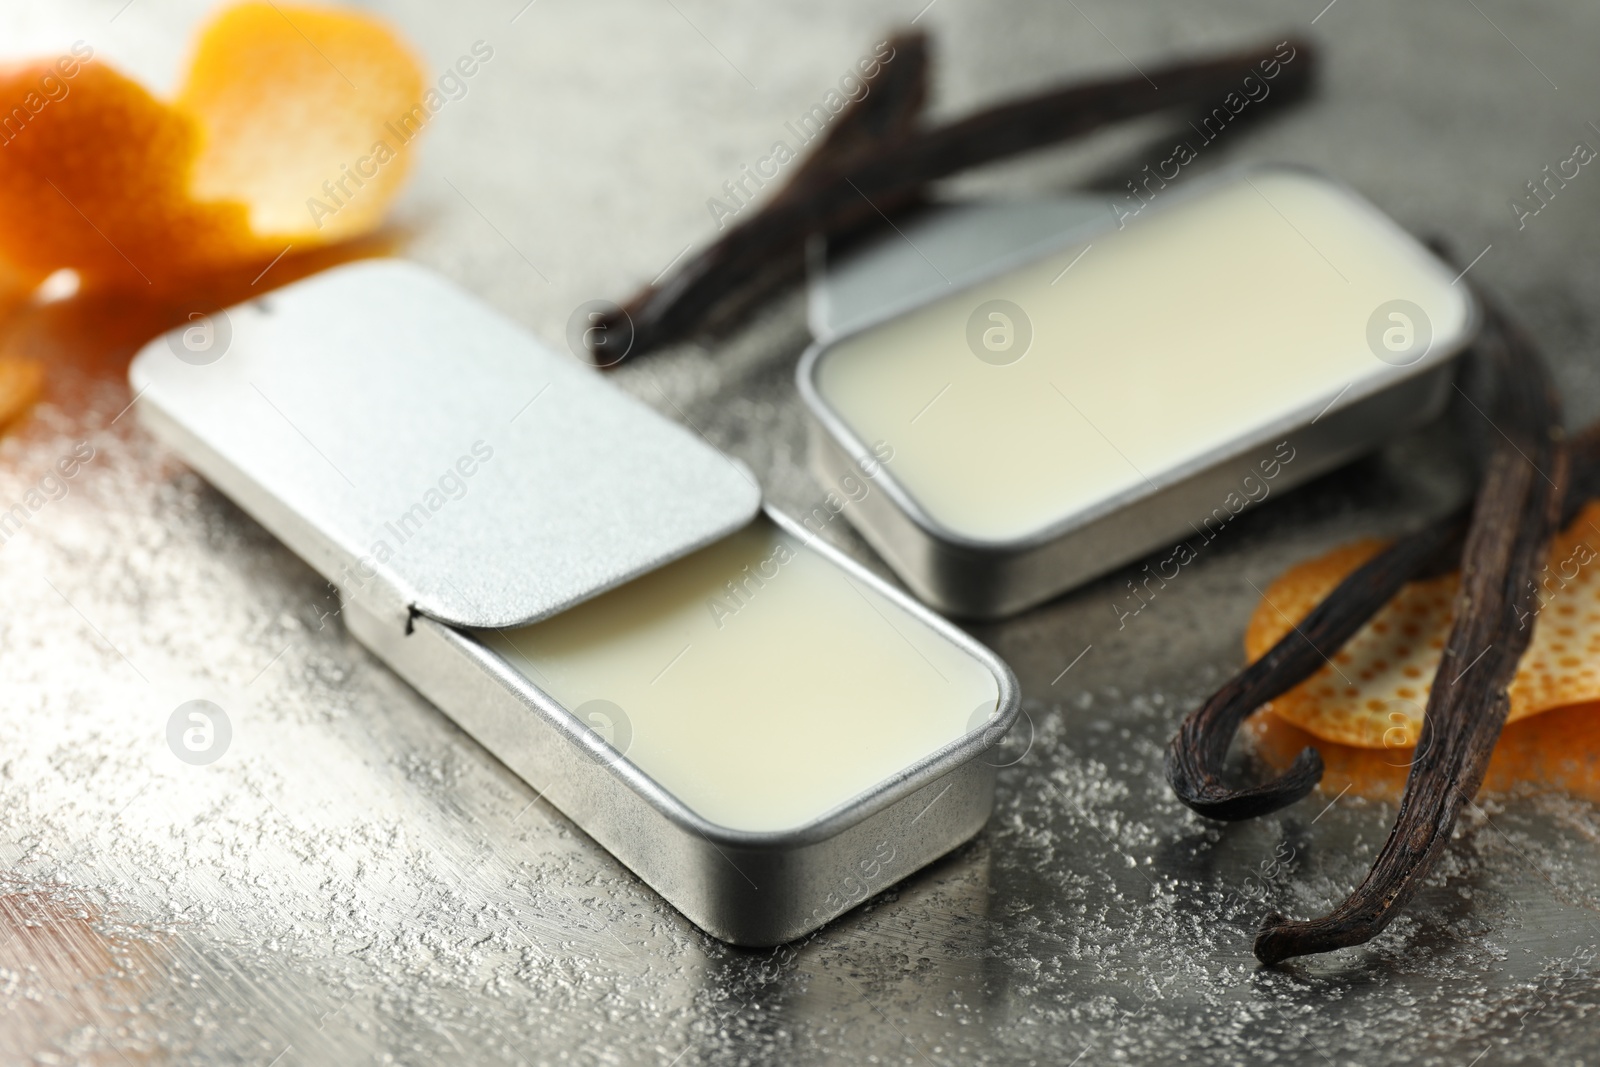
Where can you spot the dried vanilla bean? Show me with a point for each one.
(845, 192)
(886, 115)
(1196, 756)
(1515, 515)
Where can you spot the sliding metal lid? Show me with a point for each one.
(417, 447)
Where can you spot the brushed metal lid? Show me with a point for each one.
(412, 443)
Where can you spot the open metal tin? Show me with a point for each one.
(969, 253)
(453, 478)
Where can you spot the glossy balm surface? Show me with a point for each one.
(764, 705)
(1206, 321)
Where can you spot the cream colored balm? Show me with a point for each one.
(758, 682)
(1119, 363)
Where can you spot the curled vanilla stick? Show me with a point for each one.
(1516, 512)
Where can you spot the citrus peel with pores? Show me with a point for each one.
(281, 106)
(1558, 750)
(1373, 692)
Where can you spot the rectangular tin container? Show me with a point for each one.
(989, 578)
(341, 332)
(753, 889)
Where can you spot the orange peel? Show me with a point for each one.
(20, 383)
(1373, 692)
(137, 193)
(1557, 751)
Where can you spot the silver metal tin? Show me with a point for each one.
(318, 477)
(987, 579)
(754, 889)
(332, 410)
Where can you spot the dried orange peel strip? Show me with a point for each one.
(1373, 693)
(1558, 750)
(319, 157)
(137, 193)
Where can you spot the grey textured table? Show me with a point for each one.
(356, 881)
